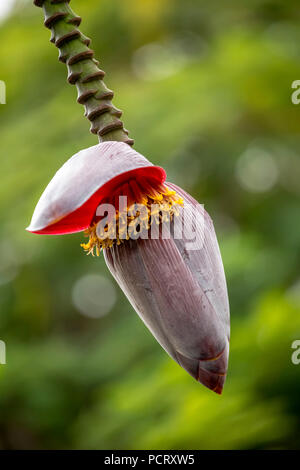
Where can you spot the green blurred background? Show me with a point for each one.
(206, 93)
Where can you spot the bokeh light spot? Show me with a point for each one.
(256, 170)
(9, 266)
(156, 61)
(93, 295)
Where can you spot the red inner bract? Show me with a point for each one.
(81, 218)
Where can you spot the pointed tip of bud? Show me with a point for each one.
(211, 380)
(210, 373)
(219, 389)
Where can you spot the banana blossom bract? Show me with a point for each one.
(178, 292)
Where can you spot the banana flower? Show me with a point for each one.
(123, 204)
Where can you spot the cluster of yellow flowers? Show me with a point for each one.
(153, 207)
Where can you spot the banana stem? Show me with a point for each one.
(83, 71)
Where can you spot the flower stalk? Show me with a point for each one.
(83, 71)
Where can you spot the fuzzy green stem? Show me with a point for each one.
(83, 71)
